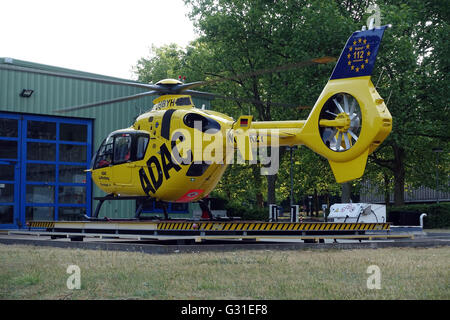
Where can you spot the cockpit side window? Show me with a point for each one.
(195, 120)
(141, 147)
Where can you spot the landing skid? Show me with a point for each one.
(206, 212)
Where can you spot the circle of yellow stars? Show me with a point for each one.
(360, 51)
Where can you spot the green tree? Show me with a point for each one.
(244, 36)
(411, 76)
(416, 88)
(311, 176)
(163, 62)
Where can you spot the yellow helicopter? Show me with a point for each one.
(178, 153)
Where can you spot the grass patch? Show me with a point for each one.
(28, 272)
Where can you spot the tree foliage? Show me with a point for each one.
(412, 66)
(244, 36)
(164, 62)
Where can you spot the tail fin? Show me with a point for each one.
(359, 54)
(350, 120)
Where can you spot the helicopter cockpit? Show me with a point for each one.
(121, 147)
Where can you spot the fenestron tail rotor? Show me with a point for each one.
(340, 122)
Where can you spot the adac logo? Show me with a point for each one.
(358, 55)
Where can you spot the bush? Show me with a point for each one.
(260, 214)
(438, 215)
(235, 209)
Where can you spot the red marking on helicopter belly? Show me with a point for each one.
(190, 195)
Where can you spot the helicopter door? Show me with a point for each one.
(122, 169)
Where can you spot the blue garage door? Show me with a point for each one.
(42, 163)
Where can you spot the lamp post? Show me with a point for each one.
(437, 151)
(291, 149)
(310, 206)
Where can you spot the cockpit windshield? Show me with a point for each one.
(104, 154)
(120, 148)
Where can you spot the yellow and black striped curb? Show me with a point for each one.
(42, 224)
(270, 226)
(237, 226)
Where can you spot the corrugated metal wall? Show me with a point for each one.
(53, 92)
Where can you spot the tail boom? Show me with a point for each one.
(334, 129)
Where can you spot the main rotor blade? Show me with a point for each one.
(285, 67)
(253, 101)
(289, 66)
(162, 89)
(79, 77)
(200, 94)
(100, 103)
(183, 87)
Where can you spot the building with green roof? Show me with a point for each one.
(43, 153)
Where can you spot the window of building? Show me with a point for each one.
(42, 168)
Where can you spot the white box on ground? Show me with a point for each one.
(357, 212)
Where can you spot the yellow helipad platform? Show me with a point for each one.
(209, 230)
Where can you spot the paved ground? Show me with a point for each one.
(421, 239)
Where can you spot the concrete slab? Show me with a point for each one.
(176, 245)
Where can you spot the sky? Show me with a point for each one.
(106, 37)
